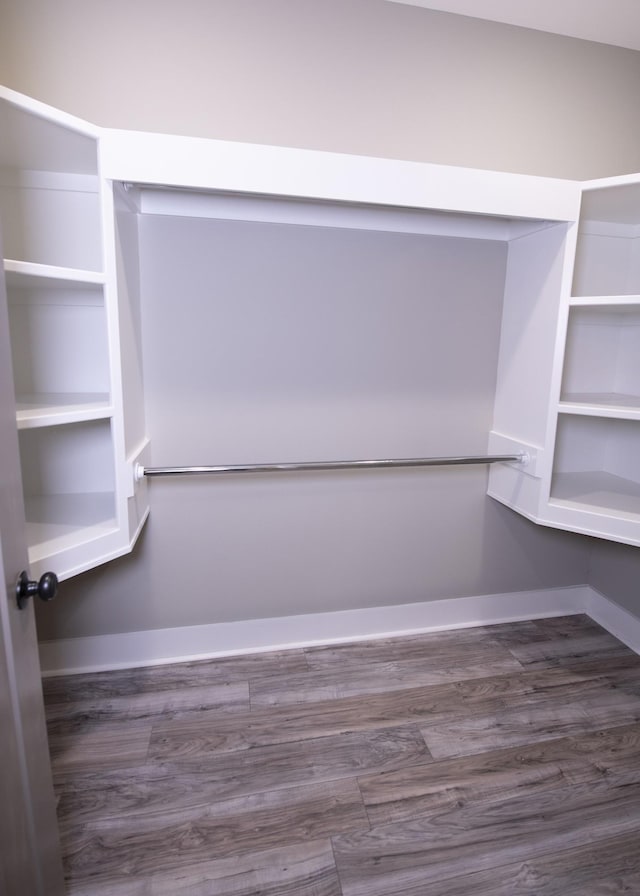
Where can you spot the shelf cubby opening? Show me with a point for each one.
(49, 191)
(69, 485)
(60, 351)
(50, 218)
(34, 141)
(602, 359)
(596, 465)
(608, 249)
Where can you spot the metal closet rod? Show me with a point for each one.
(334, 465)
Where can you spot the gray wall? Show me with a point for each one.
(358, 76)
(615, 572)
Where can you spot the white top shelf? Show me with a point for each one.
(28, 274)
(37, 136)
(614, 201)
(227, 167)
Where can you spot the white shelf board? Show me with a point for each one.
(597, 490)
(615, 200)
(44, 137)
(53, 409)
(601, 404)
(229, 167)
(28, 274)
(56, 523)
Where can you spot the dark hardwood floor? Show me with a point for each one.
(494, 761)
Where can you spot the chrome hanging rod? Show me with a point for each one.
(334, 465)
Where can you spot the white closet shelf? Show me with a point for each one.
(614, 200)
(601, 404)
(56, 523)
(53, 409)
(29, 274)
(598, 491)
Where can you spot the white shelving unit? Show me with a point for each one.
(596, 468)
(587, 472)
(73, 199)
(65, 328)
(535, 218)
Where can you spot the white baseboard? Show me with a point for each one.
(188, 643)
(615, 619)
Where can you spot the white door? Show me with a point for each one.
(30, 863)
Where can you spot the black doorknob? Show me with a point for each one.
(45, 589)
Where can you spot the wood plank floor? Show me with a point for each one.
(494, 761)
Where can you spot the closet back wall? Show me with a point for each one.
(273, 342)
(359, 76)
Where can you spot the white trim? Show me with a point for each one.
(135, 157)
(615, 619)
(35, 107)
(158, 200)
(197, 642)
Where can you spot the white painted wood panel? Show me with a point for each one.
(278, 171)
(67, 319)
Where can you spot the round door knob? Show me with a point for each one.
(45, 589)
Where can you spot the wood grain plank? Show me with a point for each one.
(169, 677)
(501, 774)
(157, 787)
(434, 648)
(392, 859)
(553, 627)
(136, 845)
(281, 724)
(528, 631)
(375, 678)
(168, 704)
(112, 746)
(302, 869)
(607, 868)
(577, 651)
(287, 724)
(539, 718)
